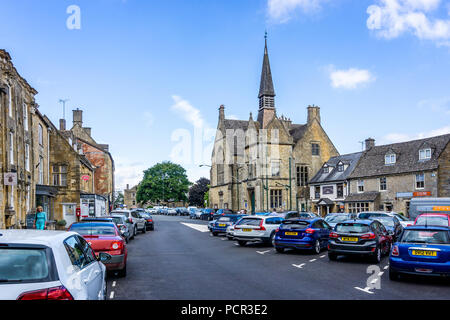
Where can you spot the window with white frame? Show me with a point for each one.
(41, 170)
(390, 158)
(275, 168)
(383, 184)
(360, 186)
(340, 167)
(41, 137)
(425, 154)
(11, 148)
(25, 117)
(420, 181)
(10, 113)
(326, 169)
(276, 200)
(59, 175)
(358, 207)
(27, 157)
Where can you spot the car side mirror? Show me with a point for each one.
(104, 257)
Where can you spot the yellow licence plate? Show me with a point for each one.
(222, 225)
(291, 233)
(427, 253)
(247, 230)
(349, 239)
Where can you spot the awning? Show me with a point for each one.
(362, 197)
(48, 191)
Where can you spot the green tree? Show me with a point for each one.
(163, 182)
(197, 192)
(119, 199)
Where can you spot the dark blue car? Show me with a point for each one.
(421, 250)
(223, 222)
(302, 233)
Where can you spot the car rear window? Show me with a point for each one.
(426, 236)
(441, 221)
(89, 229)
(117, 220)
(126, 214)
(336, 218)
(24, 265)
(352, 228)
(295, 224)
(224, 219)
(250, 222)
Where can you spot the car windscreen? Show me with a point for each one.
(441, 221)
(126, 214)
(336, 218)
(294, 224)
(118, 220)
(367, 215)
(24, 265)
(426, 236)
(93, 229)
(352, 228)
(250, 222)
(386, 221)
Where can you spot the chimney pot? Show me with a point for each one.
(62, 124)
(370, 143)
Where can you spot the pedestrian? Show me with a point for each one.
(40, 219)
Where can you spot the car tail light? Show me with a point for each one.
(369, 236)
(149, 220)
(116, 245)
(261, 227)
(56, 293)
(278, 229)
(395, 251)
(334, 235)
(310, 231)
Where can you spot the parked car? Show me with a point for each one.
(433, 219)
(184, 211)
(421, 250)
(210, 224)
(105, 237)
(141, 224)
(334, 218)
(359, 237)
(302, 233)
(120, 222)
(392, 225)
(222, 223)
(50, 265)
(171, 212)
(296, 214)
(131, 223)
(149, 223)
(207, 214)
(221, 212)
(256, 229)
(197, 214)
(403, 221)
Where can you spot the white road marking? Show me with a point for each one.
(236, 244)
(263, 252)
(374, 281)
(323, 256)
(223, 239)
(113, 284)
(380, 274)
(112, 295)
(312, 260)
(366, 290)
(300, 266)
(198, 227)
(387, 267)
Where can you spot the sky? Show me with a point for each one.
(150, 75)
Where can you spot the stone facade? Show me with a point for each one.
(16, 103)
(129, 197)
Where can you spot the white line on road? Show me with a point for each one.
(300, 266)
(198, 227)
(380, 274)
(366, 290)
(387, 267)
(323, 256)
(263, 252)
(312, 260)
(113, 284)
(112, 295)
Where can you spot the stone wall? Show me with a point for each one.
(444, 173)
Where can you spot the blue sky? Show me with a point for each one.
(145, 71)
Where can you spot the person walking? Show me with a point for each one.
(40, 220)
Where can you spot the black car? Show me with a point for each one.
(360, 237)
(149, 223)
(221, 212)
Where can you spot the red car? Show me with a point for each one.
(105, 237)
(433, 219)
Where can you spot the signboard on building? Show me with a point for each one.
(327, 190)
(10, 178)
(422, 194)
(85, 178)
(404, 194)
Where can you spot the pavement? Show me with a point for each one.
(181, 260)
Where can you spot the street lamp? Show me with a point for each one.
(205, 165)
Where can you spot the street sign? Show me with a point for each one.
(422, 194)
(404, 194)
(10, 178)
(85, 177)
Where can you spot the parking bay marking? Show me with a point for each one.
(198, 227)
(366, 290)
(299, 266)
(263, 252)
(112, 295)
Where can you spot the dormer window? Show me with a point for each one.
(390, 158)
(425, 154)
(326, 169)
(340, 167)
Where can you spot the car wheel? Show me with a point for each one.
(105, 292)
(152, 228)
(279, 250)
(135, 230)
(376, 258)
(393, 275)
(144, 230)
(272, 239)
(317, 247)
(242, 243)
(123, 273)
(230, 238)
(214, 234)
(332, 256)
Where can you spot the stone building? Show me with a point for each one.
(266, 164)
(387, 177)
(330, 186)
(97, 154)
(129, 197)
(17, 187)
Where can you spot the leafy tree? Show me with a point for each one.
(163, 182)
(119, 199)
(197, 192)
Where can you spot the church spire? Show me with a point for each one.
(266, 89)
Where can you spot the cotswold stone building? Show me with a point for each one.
(387, 177)
(129, 197)
(265, 164)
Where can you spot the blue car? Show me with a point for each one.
(222, 223)
(302, 233)
(421, 250)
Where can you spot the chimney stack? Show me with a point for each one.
(78, 117)
(128, 187)
(313, 113)
(88, 131)
(62, 124)
(222, 113)
(370, 143)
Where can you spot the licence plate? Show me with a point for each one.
(426, 253)
(247, 230)
(349, 239)
(291, 233)
(222, 225)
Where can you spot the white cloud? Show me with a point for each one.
(402, 137)
(350, 78)
(188, 112)
(392, 18)
(129, 172)
(282, 10)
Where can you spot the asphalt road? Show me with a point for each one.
(180, 262)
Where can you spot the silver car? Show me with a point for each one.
(256, 229)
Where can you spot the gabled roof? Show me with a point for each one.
(333, 174)
(372, 163)
(235, 124)
(297, 131)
